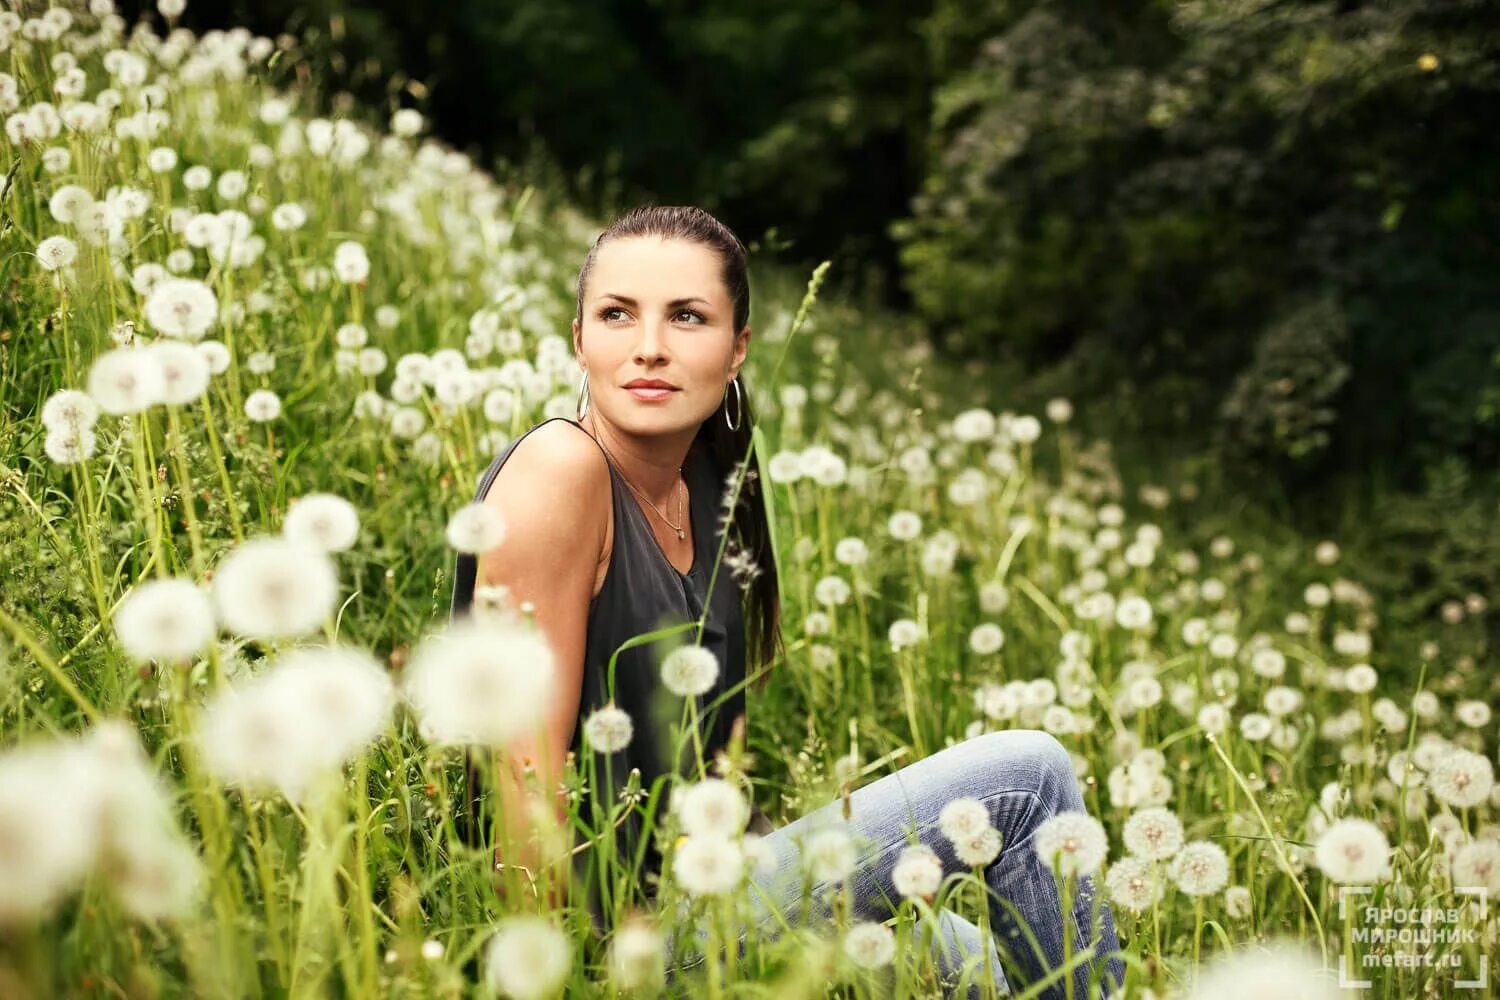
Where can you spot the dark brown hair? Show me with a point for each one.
(761, 599)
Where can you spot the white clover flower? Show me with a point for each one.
(705, 865)
(918, 872)
(169, 620)
(184, 371)
(323, 521)
(475, 528)
(1200, 868)
(829, 855)
(272, 588)
(125, 380)
(609, 729)
(689, 671)
(1133, 883)
(635, 955)
(184, 308)
(870, 945)
(712, 807)
(262, 406)
(1154, 833)
(1461, 777)
(528, 958)
(962, 817)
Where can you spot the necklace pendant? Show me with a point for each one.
(680, 535)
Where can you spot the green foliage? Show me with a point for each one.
(1163, 188)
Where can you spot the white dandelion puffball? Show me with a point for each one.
(475, 528)
(707, 865)
(168, 620)
(918, 872)
(712, 807)
(609, 729)
(481, 682)
(56, 252)
(125, 380)
(1238, 902)
(184, 371)
(829, 855)
(262, 406)
(1154, 833)
(314, 710)
(69, 408)
(963, 817)
(980, 848)
(1133, 883)
(1353, 851)
(870, 945)
(1133, 613)
(635, 955)
(1071, 843)
(70, 445)
(43, 825)
(1477, 864)
(528, 958)
(689, 671)
(273, 588)
(322, 521)
(1283, 969)
(1461, 778)
(184, 308)
(986, 638)
(1201, 868)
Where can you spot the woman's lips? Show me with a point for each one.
(649, 394)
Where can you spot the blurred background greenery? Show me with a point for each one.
(1256, 240)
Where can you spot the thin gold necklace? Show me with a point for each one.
(675, 527)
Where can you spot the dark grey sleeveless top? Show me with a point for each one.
(643, 591)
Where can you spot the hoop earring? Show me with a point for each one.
(583, 398)
(739, 403)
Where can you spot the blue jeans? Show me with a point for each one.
(1023, 777)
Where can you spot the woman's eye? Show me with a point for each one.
(690, 312)
(604, 314)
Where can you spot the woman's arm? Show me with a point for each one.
(549, 495)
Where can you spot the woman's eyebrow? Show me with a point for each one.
(671, 305)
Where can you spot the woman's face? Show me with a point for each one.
(658, 309)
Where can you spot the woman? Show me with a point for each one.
(613, 526)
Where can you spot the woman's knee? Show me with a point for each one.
(1038, 757)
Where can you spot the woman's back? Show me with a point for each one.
(643, 591)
